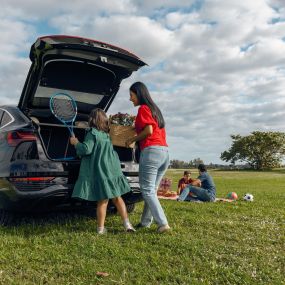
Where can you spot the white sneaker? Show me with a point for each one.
(130, 229)
(163, 229)
(101, 231)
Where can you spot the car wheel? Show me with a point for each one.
(130, 208)
(5, 217)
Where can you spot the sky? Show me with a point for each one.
(215, 67)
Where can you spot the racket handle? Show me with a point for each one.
(71, 132)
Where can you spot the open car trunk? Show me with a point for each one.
(88, 71)
(55, 141)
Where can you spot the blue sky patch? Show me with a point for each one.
(246, 47)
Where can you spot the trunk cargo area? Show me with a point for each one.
(55, 140)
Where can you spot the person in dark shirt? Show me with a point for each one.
(184, 181)
(203, 188)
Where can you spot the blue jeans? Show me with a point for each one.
(200, 193)
(154, 161)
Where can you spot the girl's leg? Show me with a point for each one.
(121, 207)
(101, 214)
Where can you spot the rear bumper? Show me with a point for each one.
(13, 199)
(49, 198)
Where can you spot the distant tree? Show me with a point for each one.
(262, 150)
(197, 161)
(179, 164)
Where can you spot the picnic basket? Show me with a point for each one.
(121, 129)
(119, 134)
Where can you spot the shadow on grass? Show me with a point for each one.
(40, 222)
(64, 223)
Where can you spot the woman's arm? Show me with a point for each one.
(147, 131)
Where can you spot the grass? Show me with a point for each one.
(211, 243)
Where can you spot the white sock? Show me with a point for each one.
(100, 229)
(126, 223)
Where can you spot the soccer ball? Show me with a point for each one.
(248, 197)
(232, 196)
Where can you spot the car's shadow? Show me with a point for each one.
(57, 218)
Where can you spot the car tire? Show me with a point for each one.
(5, 217)
(130, 208)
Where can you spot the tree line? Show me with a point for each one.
(183, 164)
(258, 150)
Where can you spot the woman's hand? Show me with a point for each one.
(73, 141)
(147, 131)
(129, 141)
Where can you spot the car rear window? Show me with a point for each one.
(43, 95)
(1, 113)
(6, 119)
(87, 83)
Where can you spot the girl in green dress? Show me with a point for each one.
(100, 176)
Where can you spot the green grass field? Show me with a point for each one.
(210, 243)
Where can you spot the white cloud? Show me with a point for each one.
(14, 35)
(215, 69)
(141, 35)
(32, 10)
(12, 78)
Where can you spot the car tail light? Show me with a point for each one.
(32, 183)
(14, 138)
(31, 179)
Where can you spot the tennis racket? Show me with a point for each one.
(64, 108)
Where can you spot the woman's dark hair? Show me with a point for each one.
(99, 120)
(144, 98)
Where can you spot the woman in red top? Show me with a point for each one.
(154, 158)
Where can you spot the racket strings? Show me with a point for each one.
(64, 109)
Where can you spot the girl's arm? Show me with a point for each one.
(147, 131)
(86, 147)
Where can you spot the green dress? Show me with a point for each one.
(100, 175)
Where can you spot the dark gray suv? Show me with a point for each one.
(32, 177)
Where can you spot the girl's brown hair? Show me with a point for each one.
(99, 120)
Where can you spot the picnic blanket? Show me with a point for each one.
(224, 200)
(174, 198)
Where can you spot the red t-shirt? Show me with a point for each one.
(144, 118)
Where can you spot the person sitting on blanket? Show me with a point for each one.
(203, 188)
(184, 181)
